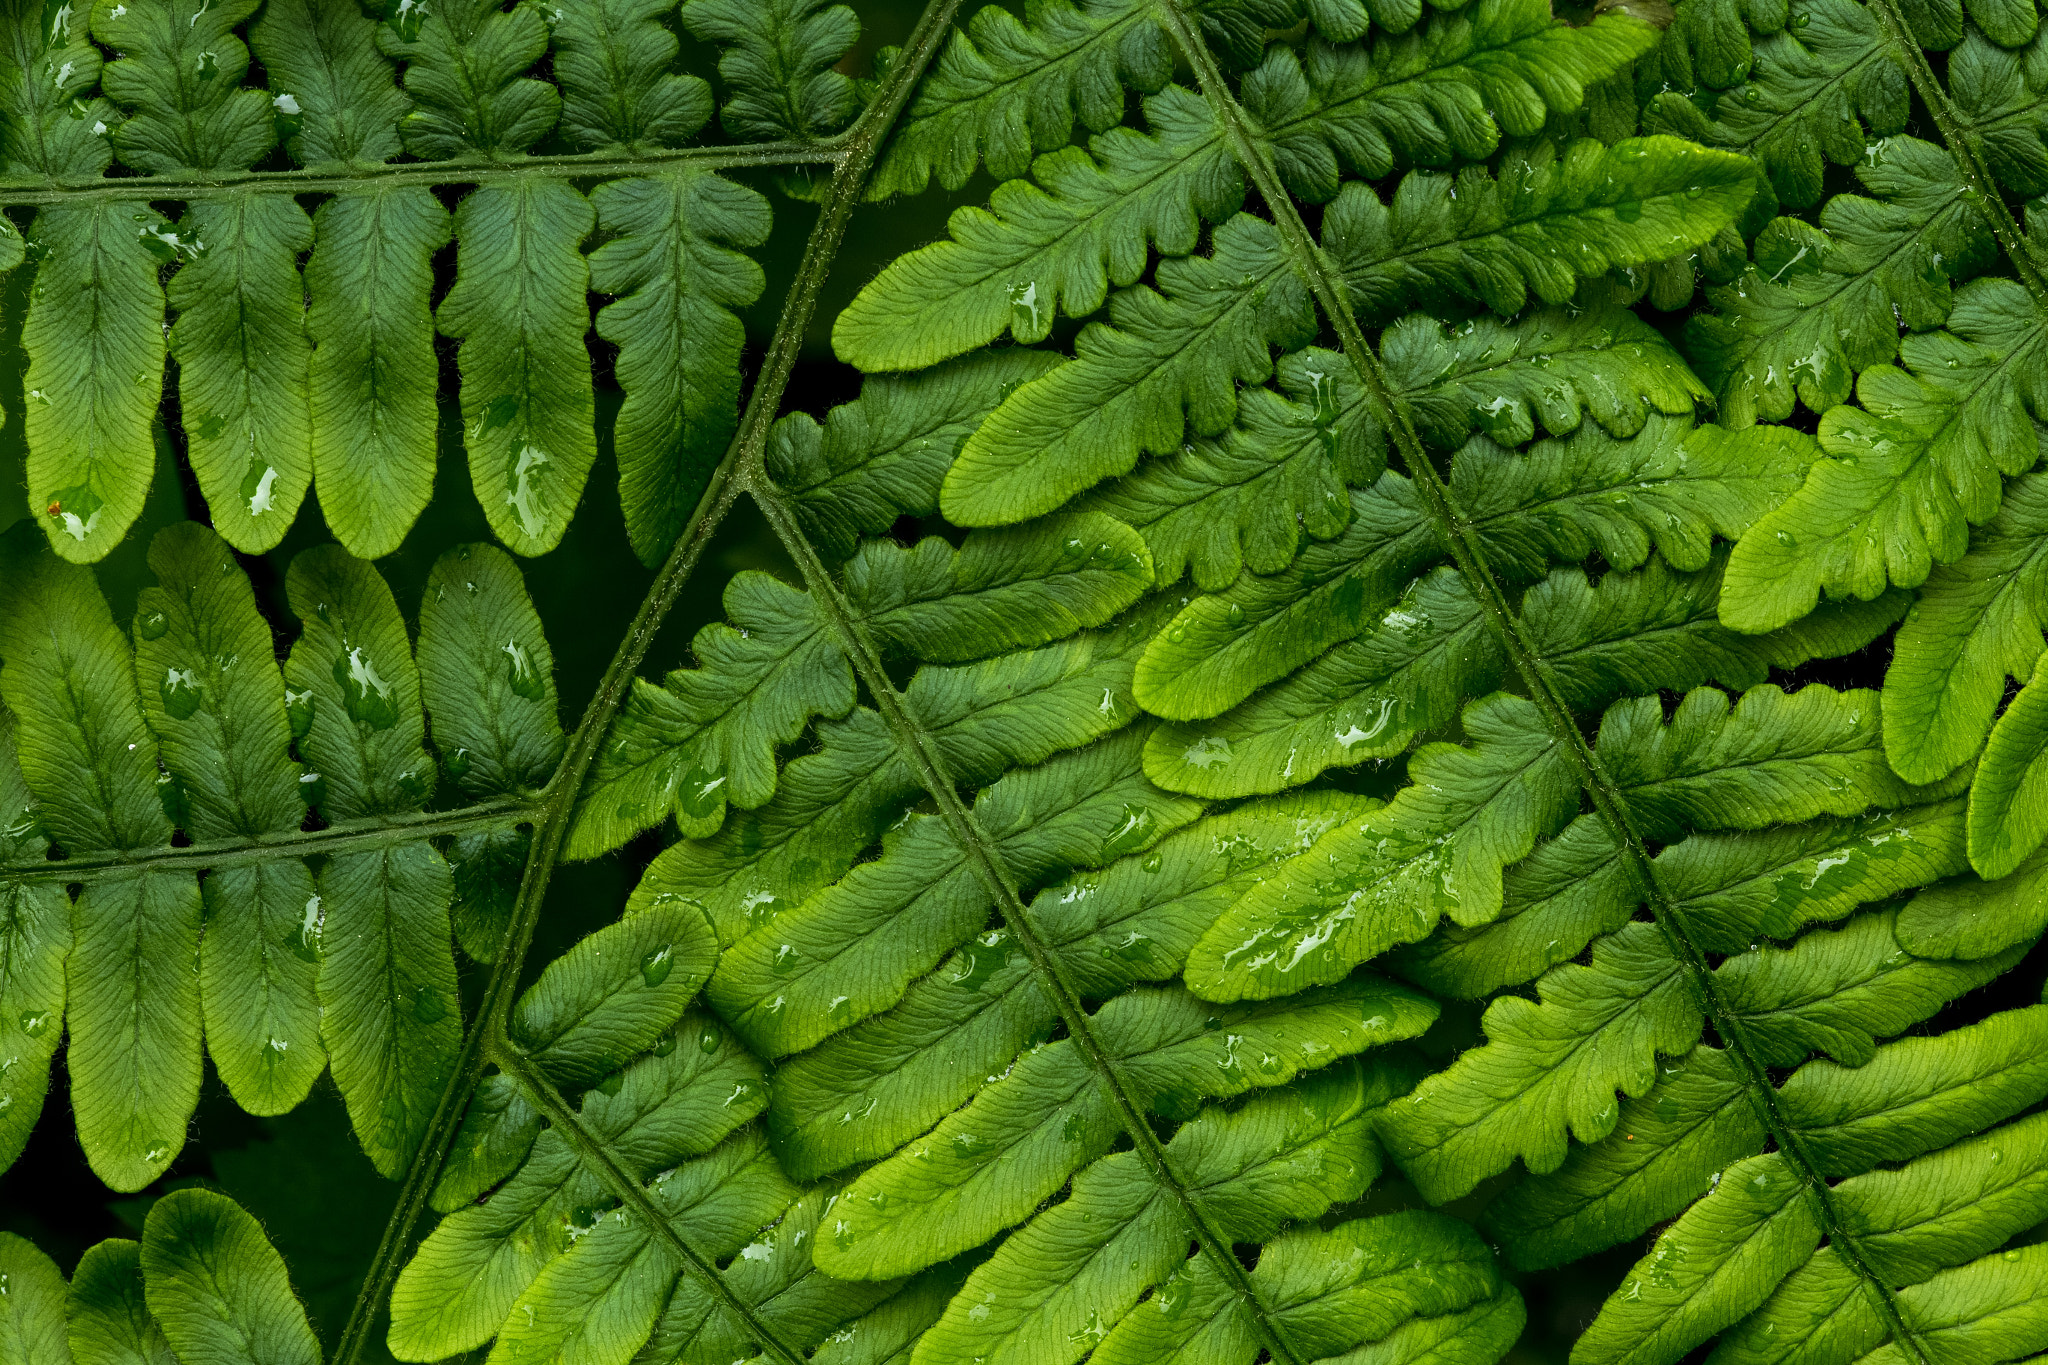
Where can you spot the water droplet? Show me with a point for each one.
(298, 709)
(157, 1152)
(707, 1041)
(152, 624)
(1133, 832)
(1235, 615)
(656, 965)
(312, 788)
(369, 698)
(180, 692)
(35, 1023)
(526, 679)
(456, 762)
(703, 791)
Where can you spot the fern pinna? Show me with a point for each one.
(1273, 790)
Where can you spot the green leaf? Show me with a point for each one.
(1548, 1067)
(1815, 310)
(1014, 711)
(352, 668)
(1002, 89)
(211, 690)
(853, 949)
(1073, 1271)
(1710, 1267)
(672, 264)
(218, 1288)
(1368, 697)
(464, 64)
(708, 737)
(1550, 217)
(374, 372)
(617, 1286)
(2006, 822)
(1326, 1289)
(613, 994)
(1386, 878)
(1837, 992)
(95, 343)
(258, 982)
(1977, 622)
(110, 1322)
(884, 455)
(244, 364)
(48, 65)
(1919, 1094)
(613, 58)
(32, 1318)
(179, 67)
(323, 59)
(461, 1286)
(487, 674)
(35, 938)
(1552, 366)
(1221, 648)
(390, 1014)
(1911, 470)
(134, 1023)
(518, 308)
(988, 1165)
(1675, 1140)
(865, 1091)
(1168, 358)
(69, 681)
(776, 64)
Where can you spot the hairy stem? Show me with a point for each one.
(855, 154)
(930, 766)
(353, 836)
(465, 171)
(590, 1147)
(1955, 133)
(1458, 533)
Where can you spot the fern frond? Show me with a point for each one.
(1444, 92)
(1003, 89)
(708, 737)
(464, 71)
(613, 59)
(1818, 93)
(204, 1283)
(776, 64)
(1912, 468)
(1820, 306)
(279, 996)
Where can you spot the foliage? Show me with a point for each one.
(1272, 772)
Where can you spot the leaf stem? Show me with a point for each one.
(463, 171)
(591, 1148)
(1462, 538)
(930, 766)
(353, 836)
(854, 154)
(1955, 132)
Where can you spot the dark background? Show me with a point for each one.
(302, 1173)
